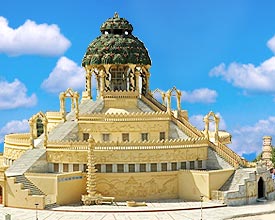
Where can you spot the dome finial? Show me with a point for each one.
(116, 15)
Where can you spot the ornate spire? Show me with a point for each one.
(116, 15)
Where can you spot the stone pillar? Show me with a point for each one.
(217, 121)
(206, 127)
(91, 170)
(88, 94)
(60, 167)
(148, 168)
(158, 167)
(168, 100)
(267, 151)
(45, 126)
(147, 81)
(163, 98)
(31, 133)
(137, 167)
(178, 100)
(114, 168)
(76, 100)
(62, 105)
(102, 82)
(70, 167)
(137, 80)
(126, 168)
(187, 165)
(103, 168)
(169, 166)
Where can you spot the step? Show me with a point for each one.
(27, 184)
(25, 162)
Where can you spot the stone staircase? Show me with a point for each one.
(176, 133)
(143, 107)
(26, 184)
(234, 190)
(236, 179)
(51, 206)
(65, 131)
(25, 162)
(215, 161)
(90, 106)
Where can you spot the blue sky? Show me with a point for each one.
(219, 53)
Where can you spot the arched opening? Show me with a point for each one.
(39, 127)
(120, 78)
(261, 188)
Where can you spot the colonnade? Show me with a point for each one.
(74, 96)
(104, 79)
(33, 128)
(166, 97)
(211, 116)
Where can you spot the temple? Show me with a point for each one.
(119, 142)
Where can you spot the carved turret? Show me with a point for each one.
(119, 60)
(267, 151)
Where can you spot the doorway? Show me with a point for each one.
(261, 192)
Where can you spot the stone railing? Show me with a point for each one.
(187, 127)
(18, 139)
(181, 122)
(135, 145)
(230, 156)
(149, 99)
(241, 161)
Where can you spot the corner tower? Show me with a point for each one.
(119, 61)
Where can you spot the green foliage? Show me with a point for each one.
(257, 158)
(272, 158)
(116, 45)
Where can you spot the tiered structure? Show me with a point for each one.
(267, 151)
(138, 148)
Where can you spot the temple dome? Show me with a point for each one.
(116, 45)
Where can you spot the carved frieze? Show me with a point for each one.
(134, 187)
(130, 156)
(12, 153)
(125, 126)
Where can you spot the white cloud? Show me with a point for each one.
(248, 139)
(66, 74)
(14, 95)
(32, 38)
(271, 44)
(197, 121)
(203, 95)
(248, 76)
(14, 126)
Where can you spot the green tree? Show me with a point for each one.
(272, 157)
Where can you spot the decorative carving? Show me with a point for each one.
(132, 85)
(128, 126)
(144, 84)
(13, 154)
(108, 82)
(270, 185)
(66, 157)
(134, 186)
(251, 189)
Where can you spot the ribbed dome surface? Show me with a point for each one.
(116, 45)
